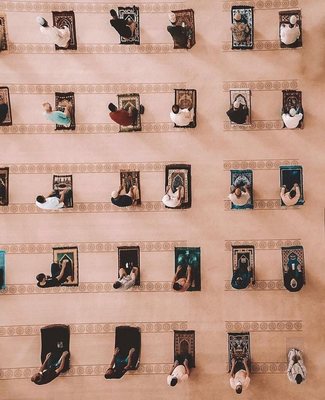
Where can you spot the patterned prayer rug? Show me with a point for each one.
(125, 101)
(126, 338)
(186, 98)
(2, 269)
(184, 343)
(131, 14)
(191, 256)
(244, 97)
(55, 337)
(71, 255)
(4, 186)
(59, 98)
(284, 18)
(129, 179)
(243, 257)
(293, 265)
(242, 32)
(4, 95)
(289, 175)
(186, 16)
(3, 33)
(238, 347)
(66, 18)
(180, 175)
(61, 182)
(129, 257)
(292, 99)
(240, 178)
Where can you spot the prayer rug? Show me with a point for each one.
(289, 175)
(184, 343)
(129, 179)
(4, 186)
(191, 256)
(292, 99)
(240, 178)
(180, 175)
(71, 255)
(243, 257)
(62, 97)
(130, 14)
(61, 182)
(55, 338)
(4, 94)
(126, 101)
(243, 96)
(284, 18)
(293, 266)
(62, 19)
(2, 269)
(238, 347)
(126, 338)
(186, 98)
(129, 257)
(3, 33)
(186, 16)
(242, 38)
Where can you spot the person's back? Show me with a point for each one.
(291, 121)
(122, 200)
(238, 115)
(291, 197)
(296, 370)
(239, 200)
(289, 34)
(59, 117)
(50, 203)
(183, 117)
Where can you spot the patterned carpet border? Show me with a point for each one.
(90, 247)
(95, 328)
(265, 285)
(144, 369)
(86, 129)
(260, 204)
(90, 207)
(95, 48)
(257, 125)
(264, 244)
(261, 85)
(257, 164)
(263, 326)
(86, 168)
(259, 45)
(85, 287)
(261, 4)
(38, 6)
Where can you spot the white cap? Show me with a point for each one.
(41, 20)
(114, 194)
(292, 112)
(172, 17)
(293, 20)
(236, 104)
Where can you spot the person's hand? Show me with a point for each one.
(233, 361)
(48, 355)
(178, 268)
(295, 185)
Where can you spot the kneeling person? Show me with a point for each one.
(119, 364)
(181, 116)
(124, 200)
(126, 280)
(51, 368)
(180, 370)
(239, 375)
(60, 273)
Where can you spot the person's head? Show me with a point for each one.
(41, 199)
(36, 378)
(293, 283)
(292, 194)
(172, 18)
(114, 194)
(117, 285)
(113, 13)
(236, 104)
(237, 17)
(298, 379)
(47, 107)
(293, 20)
(292, 112)
(171, 380)
(109, 373)
(40, 277)
(112, 107)
(177, 286)
(42, 21)
(175, 109)
(238, 192)
(239, 388)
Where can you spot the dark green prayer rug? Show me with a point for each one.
(71, 255)
(186, 17)
(289, 175)
(62, 19)
(61, 182)
(184, 344)
(242, 31)
(186, 98)
(130, 14)
(191, 256)
(126, 101)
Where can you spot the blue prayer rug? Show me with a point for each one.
(71, 255)
(242, 30)
(289, 175)
(238, 347)
(191, 256)
(129, 257)
(2, 269)
(184, 345)
(130, 14)
(243, 259)
(62, 19)
(293, 267)
(240, 178)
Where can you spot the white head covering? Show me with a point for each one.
(293, 19)
(172, 17)
(41, 20)
(292, 112)
(114, 194)
(236, 104)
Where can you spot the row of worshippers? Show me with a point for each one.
(55, 362)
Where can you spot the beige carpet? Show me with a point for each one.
(94, 154)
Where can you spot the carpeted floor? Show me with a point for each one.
(95, 153)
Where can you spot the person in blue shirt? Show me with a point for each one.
(119, 364)
(59, 117)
